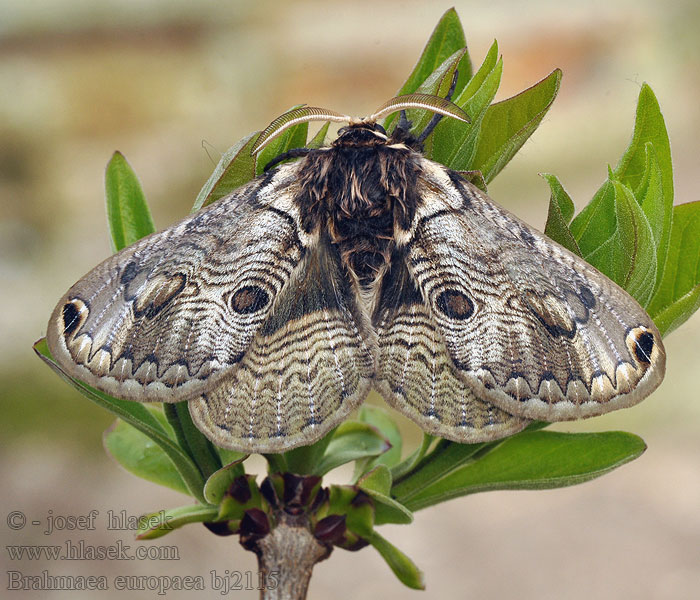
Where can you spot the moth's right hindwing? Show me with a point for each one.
(416, 375)
(163, 319)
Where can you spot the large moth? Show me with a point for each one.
(360, 265)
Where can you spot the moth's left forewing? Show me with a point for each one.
(530, 326)
(163, 319)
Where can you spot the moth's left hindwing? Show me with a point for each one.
(309, 365)
(528, 326)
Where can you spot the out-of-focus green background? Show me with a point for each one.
(172, 84)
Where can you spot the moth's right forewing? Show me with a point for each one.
(165, 318)
(529, 326)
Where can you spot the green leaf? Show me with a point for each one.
(377, 485)
(358, 510)
(141, 456)
(236, 167)
(319, 139)
(380, 418)
(678, 296)
(534, 460)
(352, 440)
(633, 168)
(657, 211)
(137, 415)
(454, 142)
(193, 441)
(163, 522)
(304, 460)
(445, 458)
(446, 39)
(127, 212)
(294, 137)
(614, 236)
(438, 84)
(376, 480)
(218, 482)
(508, 124)
(229, 456)
(561, 210)
(402, 566)
(410, 462)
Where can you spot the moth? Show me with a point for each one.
(359, 265)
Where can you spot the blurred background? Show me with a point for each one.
(172, 84)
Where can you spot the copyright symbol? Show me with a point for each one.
(16, 519)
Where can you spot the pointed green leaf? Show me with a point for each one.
(508, 124)
(218, 482)
(658, 212)
(446, 39)
(534, 460)
(304, 460)
(402, 566)
(235, 168)
(127, 212)
(438, 84)
(410, 462)
(163, 522)
(454, 142)
(638, 242)
(320, 138)
(445, 458)
(381, 419)
(632, 170)
(614, 236)
(377, 485)
(137, 415)
(352, 440)
(561, 210)
(377, 480)
(678, 296)
(190, 439)
(229, 456)
(141, 456)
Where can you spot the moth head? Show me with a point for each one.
(305, 114)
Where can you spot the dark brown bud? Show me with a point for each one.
(331, 530)
(239, 489)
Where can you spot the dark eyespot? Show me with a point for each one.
(71, 318)
(129, 273)
(249, 299)
(587, 297)
(643, 346)
(455, 305)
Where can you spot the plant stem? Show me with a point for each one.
(286, 557)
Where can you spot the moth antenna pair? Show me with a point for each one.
(305, 114)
